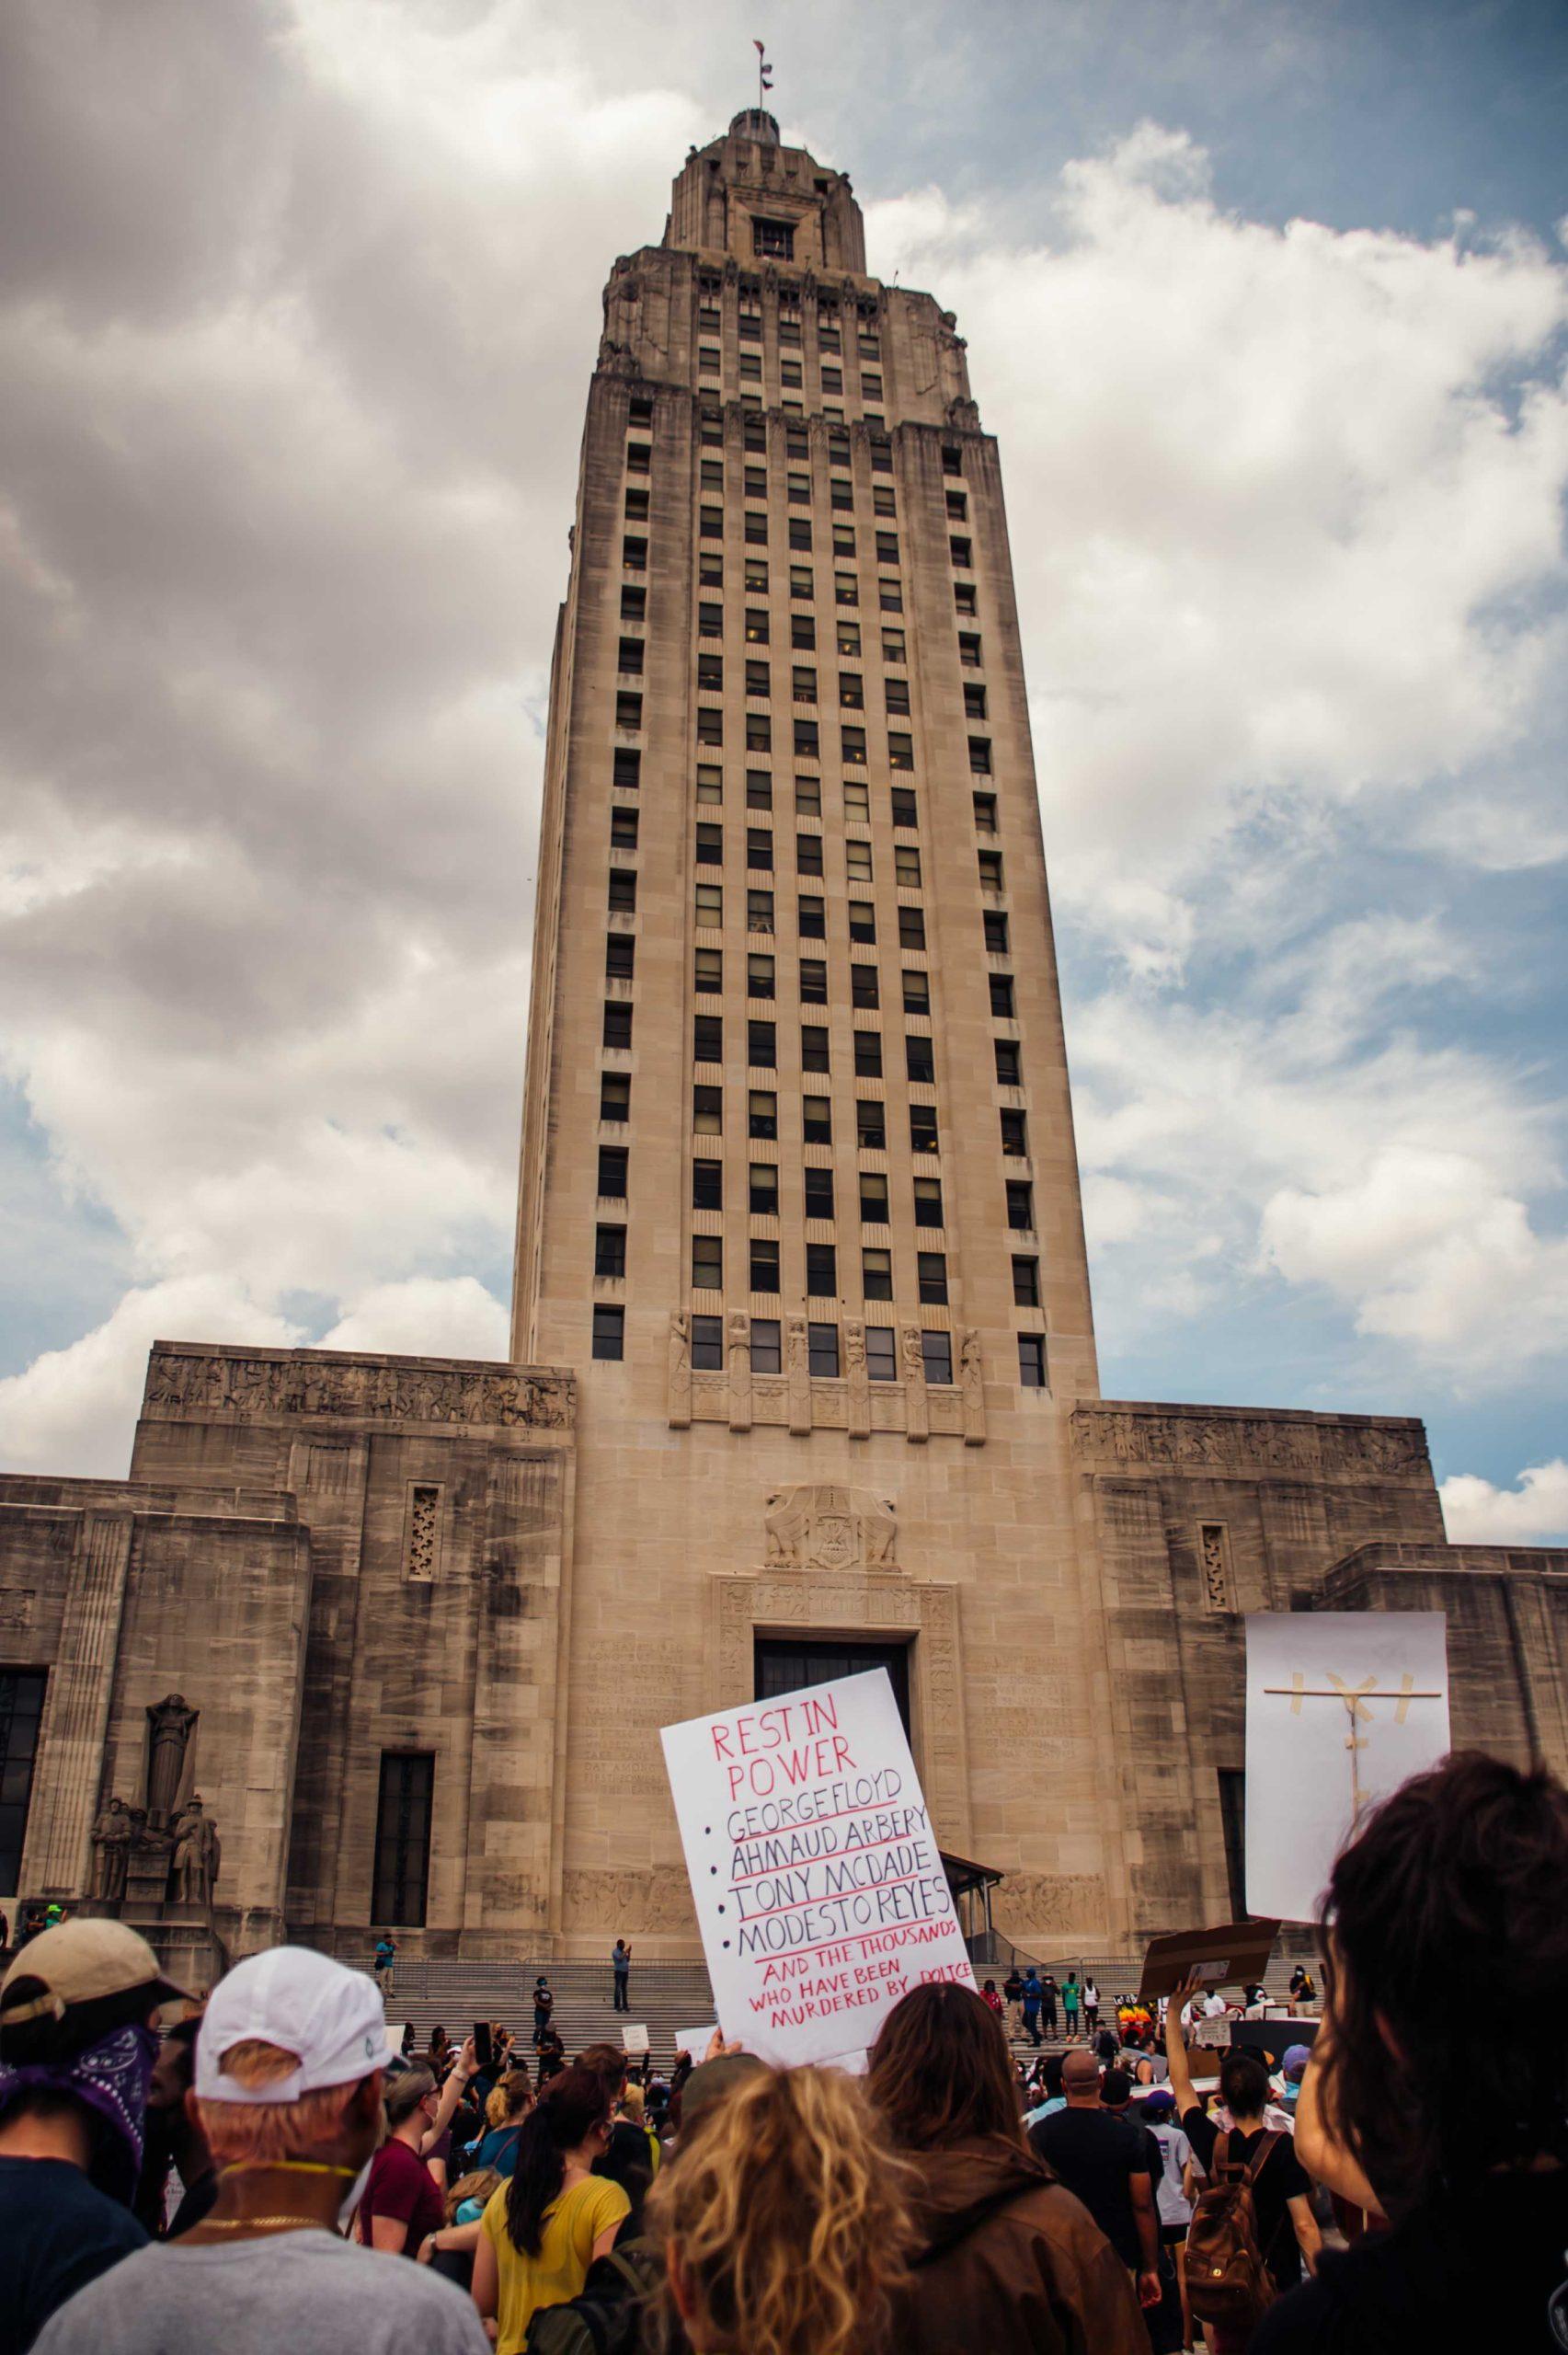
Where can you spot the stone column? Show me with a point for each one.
(740, 1355)
(917, 1406)
(859, 1382)
(57, 1860)
(799, 1366)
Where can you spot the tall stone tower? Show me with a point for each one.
(799, 1195)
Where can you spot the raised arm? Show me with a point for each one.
(1176, 2047)
(456, 2086)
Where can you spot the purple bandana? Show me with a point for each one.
(111, 2078)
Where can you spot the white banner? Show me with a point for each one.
(819, 1888)
(1342, 1707)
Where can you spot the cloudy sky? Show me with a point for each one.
(1267, 303)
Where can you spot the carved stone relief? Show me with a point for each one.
(1027, 1902)
(1246, 1443)
(811, 1527)
(309, 1382)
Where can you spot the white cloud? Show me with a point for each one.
(74, 1411)
(1534, 1512)
(433, 1317)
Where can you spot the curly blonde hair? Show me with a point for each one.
(789, 2215)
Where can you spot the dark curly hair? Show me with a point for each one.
(1459, 1881)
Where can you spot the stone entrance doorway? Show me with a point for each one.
(782, 1664)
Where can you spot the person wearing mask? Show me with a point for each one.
(1005, 2259)
(543, 2230)
(1103, 2161)
(174, 2139)
(544, 2004)
(1451, 2125)
(1049, 1995)
(77, 2050)
(1069, 2000)
(786, 2162)
(1032, 1998)
(1287, 2233)
(1091, 2008)
(1293, 2068)
(287, 2088)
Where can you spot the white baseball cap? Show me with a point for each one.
(331, 2017)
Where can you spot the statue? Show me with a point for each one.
(971, 1377)
(169, 1726)
(196, 1854)
(111, 1852)
(679, 1369)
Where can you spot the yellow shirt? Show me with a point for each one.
(572, 2225)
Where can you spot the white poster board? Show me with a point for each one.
(695, 2040)
(819, 1888)
(1342, 1707)
(633, 2039)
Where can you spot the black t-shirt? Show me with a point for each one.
(1096, 2157)
(1281, 2178)
(1475, 2271)
(57, 2233)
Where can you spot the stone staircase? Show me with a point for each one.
(666, 1997)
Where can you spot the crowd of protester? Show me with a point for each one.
(265, 2175)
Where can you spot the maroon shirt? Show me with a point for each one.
(401, 2186)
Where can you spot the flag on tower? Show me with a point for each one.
(764, 71)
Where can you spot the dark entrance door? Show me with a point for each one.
(783, 1663)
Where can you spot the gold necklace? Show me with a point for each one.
(245, 2223)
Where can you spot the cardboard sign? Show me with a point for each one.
(819, 1891)
(633, 2039)
(395, 2032)
(1237, 1953)
(1343, 1706)
(694, 2040)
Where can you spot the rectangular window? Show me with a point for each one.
(989, 863)
(623, 896)
(854, 745)
(756, 532)
(614, 1097)
(1020, 1205)
(1031, 1360)
(852, 691)
(609, 1332)
(639, 457)
(766, 1345)
(920, 1060)
(758, 732)
(1232, 1824)
(816, 1119)
(613, 1159)
(814, 980)
(893, 646)
(404, 1810)
(620, 956)
(906, 809)
(708, 972)
(907, 867)
(974, 703)
(911, 927)
(857, 860)
(617, 1032)
(707, 1344)
(710, 905)
(928, 1202)
(1000, 995)
(996, 932)
(963, 554)
(881, 500)
(922, 1128)
(868, 1054)
(754, 481)
(881, 1353)
(633, 555)
(710, 522)
(811, 920)
(756, 579)
(846, 589)
(627, 768)
(760, 973)
(762, 1113)
(857, 798)
(896, 693)
(754, 429)
(751, 365)
(21, 1708)
(876, 1275)
(806, 739)
(710, 673)
(832, 380)
(710, 725)
(930, 1267)
(900, 750)
(629, 659)
(707, 1184)
(873, 1199)
(985, 813)
(809, 854)
(844, 539)
(800, 533)
(759, 789)
(707, 1038)
(762, 1189)
(774, 238)
(801, 583)
(863, 985)
(863, 921)
(707, 1263)
(762, 1046)
(871, 1125)
(710, 782)
(890, 596)
(804, 684)
(759, 912)
(760, 848)
(917, 992)
(813, 1047)
(798, 489)
(887, 547)
(608, 1250)
(822, 1270)
(802, 631)
(822, 1351)
(809, 796)
(848, 638)
(936, 1355)
(634, 603)
(979, 755)
(1008, 1062)
(819, 1193)
(763, 1269)
(1025, 1284)
(707, 1111)
(758, 628)
(710, 569)
(1014, 1136)
(964, 597)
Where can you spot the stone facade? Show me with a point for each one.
(799, 1204)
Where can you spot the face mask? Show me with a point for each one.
(354, 2194)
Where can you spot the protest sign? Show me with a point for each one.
(1342, 1707)
(819, 1890)
(633, 2039)
(695, 2040)
(1237, 1953)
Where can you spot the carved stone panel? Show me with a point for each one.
(824, 1528)
(191, 1383)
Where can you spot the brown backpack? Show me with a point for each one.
(1227, 2282)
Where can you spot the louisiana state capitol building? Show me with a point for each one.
(803, 1372)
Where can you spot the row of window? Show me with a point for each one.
(823, 1353)
(805, 683)
(797, 437)
(712, 480)
(762, 1121)
(809, 850)
(846, 591)
(829, 311)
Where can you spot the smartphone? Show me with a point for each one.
(484, 2050)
